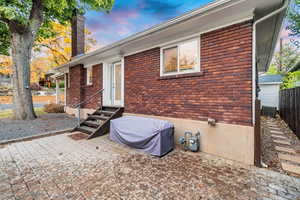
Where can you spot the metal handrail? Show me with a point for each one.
(85, 101)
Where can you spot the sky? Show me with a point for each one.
(132, 16)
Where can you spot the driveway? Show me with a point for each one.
(59, 167)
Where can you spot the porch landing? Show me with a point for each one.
(59, 167)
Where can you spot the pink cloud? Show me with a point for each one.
(123, 17)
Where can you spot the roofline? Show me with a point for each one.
(151, 30)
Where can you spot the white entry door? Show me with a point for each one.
(117, 84)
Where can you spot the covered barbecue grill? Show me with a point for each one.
(153, 136)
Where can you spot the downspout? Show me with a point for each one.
(254, 70)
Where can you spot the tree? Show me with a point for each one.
(58, 47)
(287, 59)
(49, 52)
(294, 18)
(25, 21)
(272, 69)
(290, 80)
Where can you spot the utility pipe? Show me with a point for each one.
(284, 6)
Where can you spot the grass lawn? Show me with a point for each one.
(8, 113)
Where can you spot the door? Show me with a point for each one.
(117, 84)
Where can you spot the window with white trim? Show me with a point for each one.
(89, 75)
(181, 58)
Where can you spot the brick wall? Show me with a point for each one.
(74, 89)
(223, 91)
(79, 91)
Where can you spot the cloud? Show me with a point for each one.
(129, 17)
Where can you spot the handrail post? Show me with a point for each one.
(78, 106)
(78, 112)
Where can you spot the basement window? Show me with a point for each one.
(180, 58)
(89, 75)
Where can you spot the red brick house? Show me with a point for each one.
(200, 65)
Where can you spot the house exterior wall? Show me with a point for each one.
(79, 91)
(222, 90)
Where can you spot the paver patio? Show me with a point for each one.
(59, 167)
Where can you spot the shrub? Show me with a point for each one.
(54, 108)
(62, 84)
(35, 86)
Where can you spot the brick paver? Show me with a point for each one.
(58, 167)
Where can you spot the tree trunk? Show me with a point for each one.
(21, 44)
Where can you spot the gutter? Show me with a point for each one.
(254, 70)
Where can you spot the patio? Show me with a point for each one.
(59, 167)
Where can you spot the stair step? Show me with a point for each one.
(113, 109)
(98, 117)
(94, 124)
(105, 112)
(86, 129)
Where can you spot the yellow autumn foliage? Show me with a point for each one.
(5, 65)
(49, 53)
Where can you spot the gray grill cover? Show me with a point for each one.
(149, 135)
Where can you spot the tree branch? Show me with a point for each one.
(52, 49)
(4, 20)
(36, 16)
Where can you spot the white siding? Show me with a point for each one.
(269, 95)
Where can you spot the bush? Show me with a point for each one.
(54, 108)
(62, 84)
(35, 86)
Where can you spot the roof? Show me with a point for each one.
(295, 68)
(219, 13)
(265, 79)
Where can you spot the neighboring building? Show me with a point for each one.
(269, 90)
(196, 66)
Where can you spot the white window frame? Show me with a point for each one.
(197, 67)
(88, 82)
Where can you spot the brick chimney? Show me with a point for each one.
(77, 24)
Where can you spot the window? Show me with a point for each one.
(89, 75)
(181, 58)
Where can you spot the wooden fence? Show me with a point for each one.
(289, 108)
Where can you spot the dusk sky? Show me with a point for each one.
(129, 17)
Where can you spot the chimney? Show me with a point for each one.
(77, 24)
